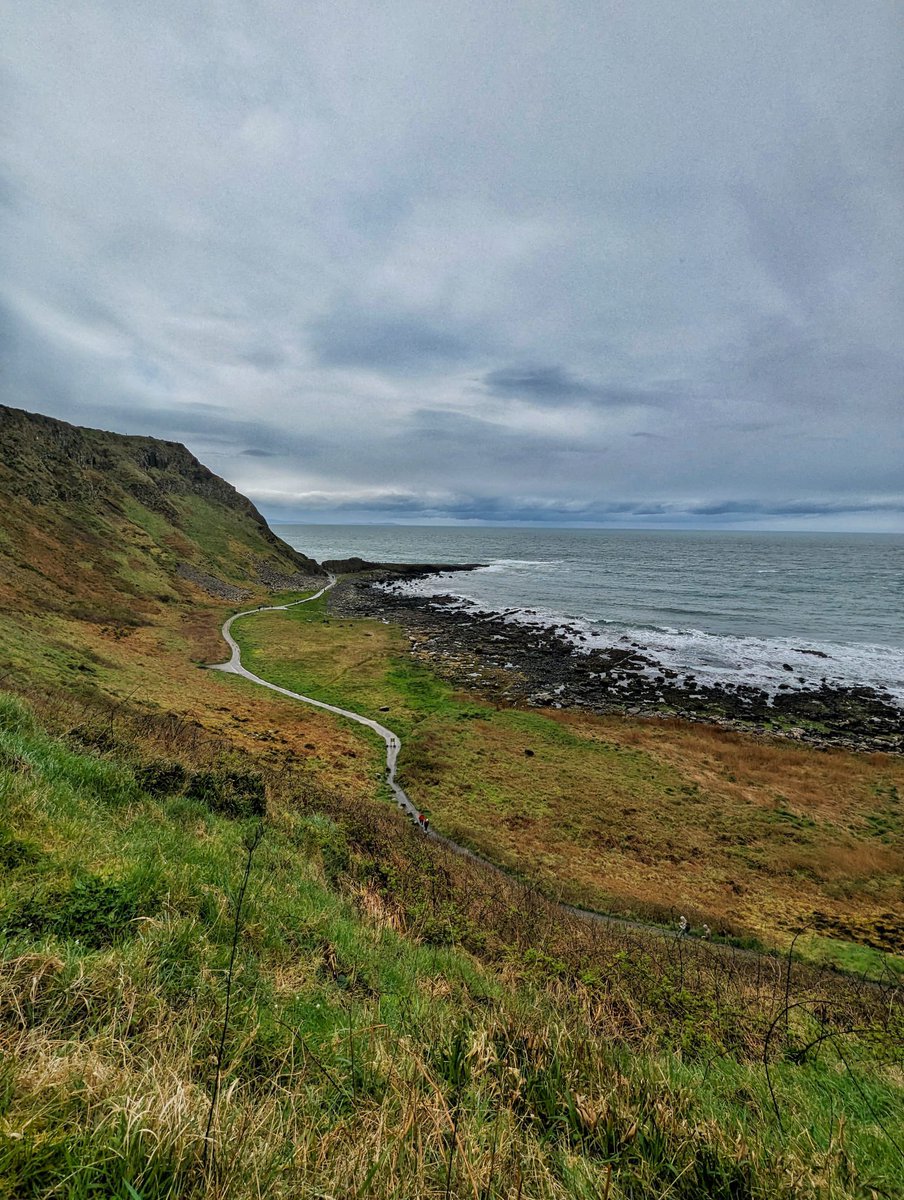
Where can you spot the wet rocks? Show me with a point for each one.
(541, 666)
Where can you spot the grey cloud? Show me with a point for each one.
(9, 193)
(556, 385)
(223, 431)
(487, 446)
(544, 384)
(803, 508)
(264, 358)
(637, 268)
(349, 337)
(174, 421)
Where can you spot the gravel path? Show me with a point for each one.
(234, 667)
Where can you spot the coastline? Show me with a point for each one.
(542, 666)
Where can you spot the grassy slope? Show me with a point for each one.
(755, 837)
(94, 524)
(365, 1042)
(381, 987)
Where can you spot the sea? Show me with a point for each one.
(729, 608)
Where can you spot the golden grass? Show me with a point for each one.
(406, 1131)
(751, 835)
(825, 784)
(156, 667)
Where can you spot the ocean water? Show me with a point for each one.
(727, 607)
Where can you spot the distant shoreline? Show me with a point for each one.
(355, 565)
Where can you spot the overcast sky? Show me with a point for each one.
(634, 263)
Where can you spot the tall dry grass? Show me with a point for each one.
(406, 1020)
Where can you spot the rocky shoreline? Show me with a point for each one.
(353, 566)
(545, 666)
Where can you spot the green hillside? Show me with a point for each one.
(229, 968)
(100, 525)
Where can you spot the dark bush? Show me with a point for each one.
(161, 778)
(322, 835)
(102, 740)
(16, 853)
(96, 912)
(239, 794)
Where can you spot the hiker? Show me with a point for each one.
(707, 932)
(426, 824)
(682, 925)
(420, 820)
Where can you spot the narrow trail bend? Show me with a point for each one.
(234, 667)
(393, 746)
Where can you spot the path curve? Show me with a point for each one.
(234, 667)
(394, 745)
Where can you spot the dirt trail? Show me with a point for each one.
(393, 746)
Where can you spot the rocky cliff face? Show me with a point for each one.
(84, 512)
(47, 461)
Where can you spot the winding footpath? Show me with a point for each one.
(234, 667)
(393, 746)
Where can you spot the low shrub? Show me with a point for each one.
(320, 834)
(161, 778)
(240, 794)
(96, 912)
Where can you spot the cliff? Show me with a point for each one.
(97, 520)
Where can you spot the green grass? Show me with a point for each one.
(229, 540)
(849, 956)
(590, 815)
(356, 1044)
(155, 526)
(410, 692)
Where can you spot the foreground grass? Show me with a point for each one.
(156, 666)
(384, 1040)
(756, 838)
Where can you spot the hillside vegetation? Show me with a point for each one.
(373, 1017)
(109, 541)
(97, 525)
(229, 968)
